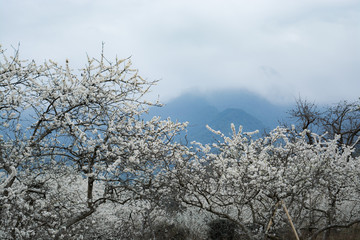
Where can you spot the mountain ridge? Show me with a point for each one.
(218, 110)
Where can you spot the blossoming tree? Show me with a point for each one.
(61, 127)
(244, 179)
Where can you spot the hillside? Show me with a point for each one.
(219, 110)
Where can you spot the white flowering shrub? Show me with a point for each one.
(58, 124)
(242, 179)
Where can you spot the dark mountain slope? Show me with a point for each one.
(197, 110)
(237, 116)
(268, 113)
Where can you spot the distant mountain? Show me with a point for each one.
(268, 113)
(238, 117)
(188, 107)
(219, 110)
(222, 121)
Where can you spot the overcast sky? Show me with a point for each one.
(279, 49)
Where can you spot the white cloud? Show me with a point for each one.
(312, 44)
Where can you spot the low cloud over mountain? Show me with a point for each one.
(220, 109)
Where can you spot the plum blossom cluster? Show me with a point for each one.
(244, 179)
